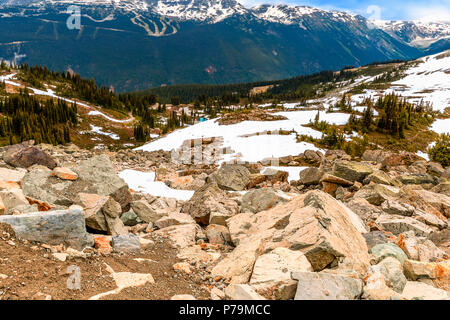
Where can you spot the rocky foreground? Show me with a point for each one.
(373, 229)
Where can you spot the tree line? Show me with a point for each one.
(24, 117)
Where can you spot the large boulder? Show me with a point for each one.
(180, 236)
(324, 229)
(52, 227)
(395, 207)
(24, 156)
(374, 155)
(351, 170)
(380, 177)
(326, 286)
(209, 201)
(145, 211)
(262, 199)
(443, 188)
(233, 177)
(218, 234)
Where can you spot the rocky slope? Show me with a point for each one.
(376, 228)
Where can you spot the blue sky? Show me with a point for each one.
(388, 9)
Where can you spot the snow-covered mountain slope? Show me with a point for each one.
(201, 10)
(427, 81)
(288, 14)
(417, 33)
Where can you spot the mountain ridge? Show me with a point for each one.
(223, 41)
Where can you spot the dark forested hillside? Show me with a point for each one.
(24, 117)
(241, 48)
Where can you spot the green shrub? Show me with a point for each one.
(440, 152)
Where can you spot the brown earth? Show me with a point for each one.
(31, 270)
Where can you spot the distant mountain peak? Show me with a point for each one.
(416, 32)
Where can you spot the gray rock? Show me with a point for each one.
(380, 177)
(311, 176)
(101, 178)
(313, 156)
(128, 243)
(418, 178)
(233, 177)
(95, 176)
(394, 207)
(36, 185)
(130, 218)
(382, 251)
(145, 212)
(376, 194)
(351, 170)
(274, 175)
(262, 199)
(326, 286)
(374, 238)
(399, 224)
(366, 211)
(392, 271)
(374, 155)
(435, 168)
(52, 227)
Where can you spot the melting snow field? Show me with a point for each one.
(145, 182)
(441, 126)
(429, 80)
(241, 138)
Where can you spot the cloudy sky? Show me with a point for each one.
(385, 9)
